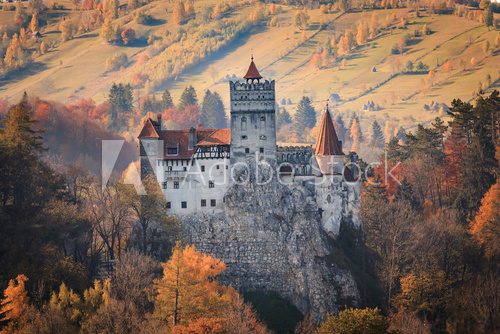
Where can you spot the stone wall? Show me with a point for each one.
(271, 238)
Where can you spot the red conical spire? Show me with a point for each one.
(253, 72)
(327, 142)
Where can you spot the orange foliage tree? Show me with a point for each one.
(191, 301)
(16, 301)
(485, 228)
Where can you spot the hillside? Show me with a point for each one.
(77, 68)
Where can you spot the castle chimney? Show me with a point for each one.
(158, 118)
(192, 138)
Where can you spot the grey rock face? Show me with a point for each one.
(271, 239)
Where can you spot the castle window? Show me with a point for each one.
(169, 168)
(185, 169)
(169, 205)
(211, 184)
(261, 149)
(171, 150)
(243, 123)
(218, 167)
(203, 202)
(247, 150)
(176, 184)
(165, 185)
(184, 205)
(202, 168)
(263, 137)
(263, 122)
(213, 202)
(244, 137)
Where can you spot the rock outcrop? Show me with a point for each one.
(271, 238)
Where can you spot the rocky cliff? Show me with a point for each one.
(271, 238)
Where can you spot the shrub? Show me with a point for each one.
(142, 18)
(128, 35)
(116, 61)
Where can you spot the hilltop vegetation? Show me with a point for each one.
(396, 63)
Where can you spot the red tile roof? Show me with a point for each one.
(180, 139)
(327, 142)
(148, 130)
(216, 137)
(253, 72)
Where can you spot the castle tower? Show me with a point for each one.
(328, 147)
(253, 124)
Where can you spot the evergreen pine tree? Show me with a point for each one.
(188, 98)
(282, 118)
(305, 118)
(220, 112)
(340, 128)
(378, 139)
(488, 17)
(166, 100)
(404, 192)
(212, 111)
(121, 99)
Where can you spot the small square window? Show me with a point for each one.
(211, 184)
(176, 184)
(184, 205)
(172, 150)
(202, 168)
(227, 167)
(203, 202)
(169, 168)
(247, 150)
(213, 202)
(244, 137)
(261, 150)
(185, 169)
(165, 185)
(218, 166)
(169, 205)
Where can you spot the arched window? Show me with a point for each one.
(243, 123)
(263, 122)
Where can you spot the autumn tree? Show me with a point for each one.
(355, 134)
(179, 12)
(150, 212)
(361, 34)
(354, 321)
(301, 19)
(15, 302)
(108, 32)
(67, 29)
(485, 227)
(34, 23)
(187, 290)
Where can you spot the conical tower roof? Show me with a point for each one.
(253, 72)
(327, 142)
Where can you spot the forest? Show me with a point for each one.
(426, 256)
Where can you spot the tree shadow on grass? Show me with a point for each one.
(21, 74)
(155, 22)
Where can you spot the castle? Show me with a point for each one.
(196, 166)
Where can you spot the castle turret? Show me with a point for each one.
(253, 124)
